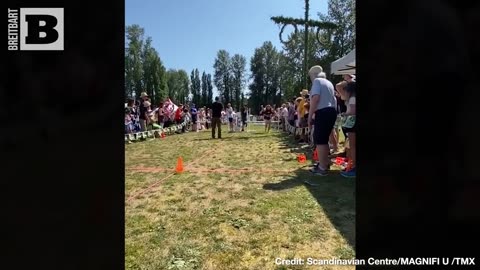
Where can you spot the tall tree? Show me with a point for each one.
(341, 40)
(193, 87)
(198, 87)
(292, 61)
(133, 60)
(257, 86)
(333, 45)
(178, 83)
(209, 89)
(144, 70)
(183, 78)
(204, 96)
(239, 63)
(265, 74)
(154, 77)
(222, 76)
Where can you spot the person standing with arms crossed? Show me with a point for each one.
(217, 108)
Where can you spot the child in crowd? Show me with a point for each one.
(150, 114)
(168, 118)
(160, 113)
(347, 92)
(201, 119)
(128, 121)
(230, 114)
(185, 117)
(208, 117)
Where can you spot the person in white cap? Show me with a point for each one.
(323, 105)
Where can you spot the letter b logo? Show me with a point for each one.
(41, 29)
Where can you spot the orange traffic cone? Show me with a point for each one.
(315, 155)
(301, 158)
(179, 168)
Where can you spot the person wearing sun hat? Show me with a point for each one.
(300, 101)
(143, 111)
(304, 95)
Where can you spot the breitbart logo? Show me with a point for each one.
(35, 29)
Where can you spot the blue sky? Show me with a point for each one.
(187, 34)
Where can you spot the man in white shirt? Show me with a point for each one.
(323, 105)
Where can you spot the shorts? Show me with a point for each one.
(230, 120)
(324, 121)
(267, 118)
(350, 129)
(194, 120)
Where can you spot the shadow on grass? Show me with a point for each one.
(335, 194)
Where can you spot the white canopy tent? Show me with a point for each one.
(344, 65)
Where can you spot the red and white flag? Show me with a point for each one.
(170, 106)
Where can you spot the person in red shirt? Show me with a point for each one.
(178, 114)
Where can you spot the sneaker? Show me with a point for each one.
(318, 171)
(315, 165)
(349, 174)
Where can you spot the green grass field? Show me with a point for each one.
(254, 207)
